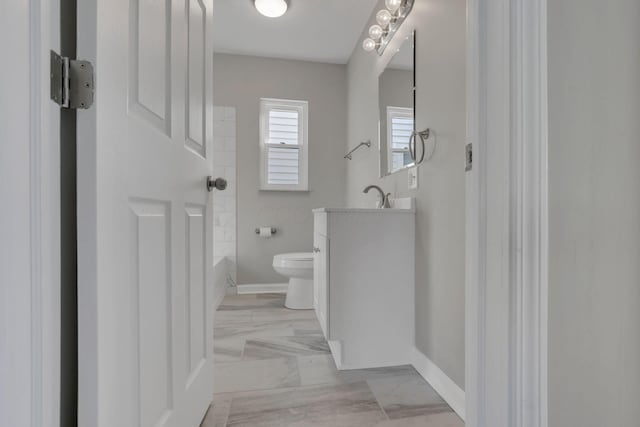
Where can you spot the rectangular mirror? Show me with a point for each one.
(396, 101)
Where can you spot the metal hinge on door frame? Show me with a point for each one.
(468, 156)
(71, 82)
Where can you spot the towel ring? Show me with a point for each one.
(424, 135)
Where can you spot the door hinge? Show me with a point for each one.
(468, 155)
(71, 82)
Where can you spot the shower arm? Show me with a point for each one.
(367, 143)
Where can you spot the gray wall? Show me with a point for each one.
(440, 221)
(240, 81)
(594, 185)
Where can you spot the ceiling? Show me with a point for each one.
(312, 30)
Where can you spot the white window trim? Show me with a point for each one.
(391, 113)
(267, 104)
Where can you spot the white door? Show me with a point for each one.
(144, 214)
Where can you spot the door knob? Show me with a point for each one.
(218, 183)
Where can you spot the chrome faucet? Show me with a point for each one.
(384, 198)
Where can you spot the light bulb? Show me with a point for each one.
(271, 8)
(393, 5)
(383, 17)
(369, 44)
(375, 32)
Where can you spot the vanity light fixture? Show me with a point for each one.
(388, 21)
(271, 8)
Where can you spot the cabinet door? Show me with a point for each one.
(321, 272)
(316, 270)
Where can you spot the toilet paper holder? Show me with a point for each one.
(273, 230)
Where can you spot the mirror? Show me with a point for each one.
(396, 101)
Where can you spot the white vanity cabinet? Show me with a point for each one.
(364, 280)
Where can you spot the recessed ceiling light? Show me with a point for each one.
(271, 8)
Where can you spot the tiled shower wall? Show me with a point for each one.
(224, 202)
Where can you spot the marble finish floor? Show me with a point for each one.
(273, 367)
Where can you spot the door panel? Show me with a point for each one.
(151, 288)
(145, 216)
(150, 62)
(196, 289)
(196, 69)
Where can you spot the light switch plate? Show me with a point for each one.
(412, 175)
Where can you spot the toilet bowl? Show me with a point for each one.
(298, 267)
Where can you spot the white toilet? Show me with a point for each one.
(298, 267)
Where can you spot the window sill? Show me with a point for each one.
(285, 190)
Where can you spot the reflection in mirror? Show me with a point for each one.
(396, 100)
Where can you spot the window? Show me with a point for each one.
(399, 130)
(283, 145)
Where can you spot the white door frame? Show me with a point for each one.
(507, 242)
(30, 220)
(506, 344)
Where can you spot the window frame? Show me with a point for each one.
(302, 107)
(391, 113)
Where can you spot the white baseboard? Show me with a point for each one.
(336, 352)
(441, 383)
(263, 288)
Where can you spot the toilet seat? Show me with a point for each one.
(294, 260)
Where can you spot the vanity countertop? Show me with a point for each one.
(403, 205)
(365, 210)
